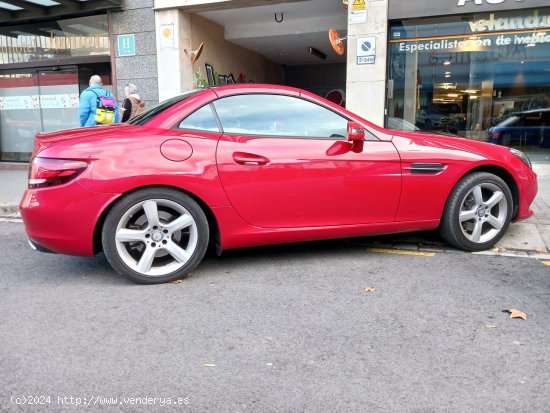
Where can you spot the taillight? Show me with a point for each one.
(50, 172)
(495, 135)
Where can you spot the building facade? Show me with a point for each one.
(452, 66)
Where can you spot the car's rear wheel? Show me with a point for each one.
(478, 212)
(155, 235)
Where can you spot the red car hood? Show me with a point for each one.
(47, 139)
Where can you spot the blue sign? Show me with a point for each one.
(126, 45)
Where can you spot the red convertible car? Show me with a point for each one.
(246, 165)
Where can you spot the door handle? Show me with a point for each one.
(249, 159)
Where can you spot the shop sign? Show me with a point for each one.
(63, 101)
(511, 23)
(366, 50)
(462, 3)
(516, 31)
(401, 9)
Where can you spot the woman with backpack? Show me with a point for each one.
(132, 105)
(97, 106)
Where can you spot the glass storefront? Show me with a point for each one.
(44, 98)
(464, 75)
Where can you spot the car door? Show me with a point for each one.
(285, 162)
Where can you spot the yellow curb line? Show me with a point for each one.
(547, 263)
(401, 252)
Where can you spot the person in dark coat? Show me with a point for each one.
(132, 105)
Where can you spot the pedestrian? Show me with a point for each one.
(97, 106)
(132, 105)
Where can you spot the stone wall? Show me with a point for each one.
(137, 18)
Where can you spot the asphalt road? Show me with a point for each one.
(282, 329)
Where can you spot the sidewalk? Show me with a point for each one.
(528, 238)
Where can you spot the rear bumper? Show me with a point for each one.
(37, 247)
(63, 219)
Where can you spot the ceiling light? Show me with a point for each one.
(317, 53)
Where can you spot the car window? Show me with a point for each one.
(151, 113)
(258, 114)
(533, 119)
(202, 119)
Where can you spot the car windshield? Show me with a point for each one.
(151, 113)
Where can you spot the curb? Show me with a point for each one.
(9, 211)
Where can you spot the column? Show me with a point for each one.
(366, 83)
(175, 70)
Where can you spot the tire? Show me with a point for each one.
(155, 235)
(478, 212)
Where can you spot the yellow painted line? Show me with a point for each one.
(401, 252)
(546, 263)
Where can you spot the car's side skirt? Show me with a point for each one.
(236, 233)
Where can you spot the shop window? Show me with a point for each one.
(465, 75)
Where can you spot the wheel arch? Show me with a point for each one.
(503, 174)
(213, 226)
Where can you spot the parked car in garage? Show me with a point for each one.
(246, 165)
(430, 119)
(530, 128)
(401, 124)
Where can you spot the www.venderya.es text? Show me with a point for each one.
(95, 400)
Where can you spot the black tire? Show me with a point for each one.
(489, 220)
(151, 250)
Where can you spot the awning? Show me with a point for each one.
(17, 11)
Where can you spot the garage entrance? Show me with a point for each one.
(292, 37)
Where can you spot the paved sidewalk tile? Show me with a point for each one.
(522, 236)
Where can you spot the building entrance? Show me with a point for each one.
(40, 100)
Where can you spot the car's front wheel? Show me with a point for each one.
(478, 212)
(155, 235)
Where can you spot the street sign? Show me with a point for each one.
(126, 45)
(366, 50)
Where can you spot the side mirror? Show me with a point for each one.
(355, 132)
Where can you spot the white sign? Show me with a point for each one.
(366, 50)
(39, 102)
(357, 16)
(166, 35)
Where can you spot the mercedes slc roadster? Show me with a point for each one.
(246, 165)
